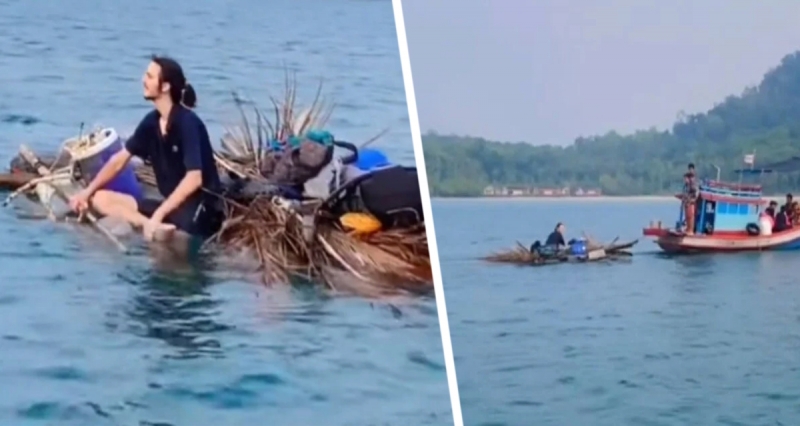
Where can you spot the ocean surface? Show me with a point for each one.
(652, 341)
(90, 336)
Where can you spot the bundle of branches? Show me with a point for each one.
(272, 233)
(251, 144)
(385, 262)
(409, 244)
(519, 254)
(381, 267)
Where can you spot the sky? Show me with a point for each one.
(549, 71)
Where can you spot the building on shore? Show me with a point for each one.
(532, 191)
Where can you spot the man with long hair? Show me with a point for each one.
(175, 141)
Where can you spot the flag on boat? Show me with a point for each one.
(749, 159)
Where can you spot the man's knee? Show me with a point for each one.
(104, 200)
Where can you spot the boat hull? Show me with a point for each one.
(673, 242)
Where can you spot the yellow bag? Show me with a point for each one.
(360, 223)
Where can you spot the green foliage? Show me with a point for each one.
(765, 118)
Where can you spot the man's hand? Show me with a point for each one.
(80, 201)
(156, 229)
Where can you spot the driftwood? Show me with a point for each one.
(14, 181)
(522, 255)
(28, 155)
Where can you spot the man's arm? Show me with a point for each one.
(188, 186)
(193, 181)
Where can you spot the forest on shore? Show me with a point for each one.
(765, 118)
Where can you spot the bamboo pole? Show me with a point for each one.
(33, 160)
(13, 181)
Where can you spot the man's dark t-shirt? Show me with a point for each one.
(555, 238)
(185, 147)
(782, 222)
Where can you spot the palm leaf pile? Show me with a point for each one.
(301, 239)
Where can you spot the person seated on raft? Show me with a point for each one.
(176, 142)
(554, 241)
(556, 238)
(782, 221)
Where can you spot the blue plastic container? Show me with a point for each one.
(92, 160)
(578, 248)
(371, 159)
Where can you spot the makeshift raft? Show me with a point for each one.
(292, 238)
(595, 252)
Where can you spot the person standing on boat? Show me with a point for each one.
(690, 192)
(771, 210)
(176, 142)
(782, 220)
(789, 200)
(794, 213)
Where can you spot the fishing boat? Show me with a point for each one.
(729, 217)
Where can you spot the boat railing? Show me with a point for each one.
(733, 195)
(743, 187)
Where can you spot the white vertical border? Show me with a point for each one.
(416, 137)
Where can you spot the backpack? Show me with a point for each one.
(299, 160)
(389, 193)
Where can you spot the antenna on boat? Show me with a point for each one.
(718, 171)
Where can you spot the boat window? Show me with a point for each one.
(722, 208)
(744, 209)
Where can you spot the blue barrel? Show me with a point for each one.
(93, 159)
(578, 248)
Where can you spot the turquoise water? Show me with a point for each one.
(703, 340)
(90, 336)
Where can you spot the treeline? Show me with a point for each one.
(765, 118)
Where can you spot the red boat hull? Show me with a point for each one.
(674, 242)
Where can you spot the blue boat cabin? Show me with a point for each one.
(725, 207)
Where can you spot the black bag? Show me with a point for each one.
(391, 194)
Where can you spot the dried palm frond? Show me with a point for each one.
(247, 142)
(409, 244)
(272, 233)
(519, 254)
(401, 268)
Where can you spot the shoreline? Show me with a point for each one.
(601, 198)
(593, 199)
